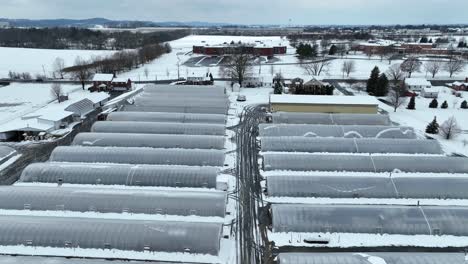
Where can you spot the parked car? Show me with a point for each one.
(241, 98)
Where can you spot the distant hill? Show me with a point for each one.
(95, 22)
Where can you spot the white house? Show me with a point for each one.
(432, 92)
(417, 84)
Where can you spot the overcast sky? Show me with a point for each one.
(312, 12)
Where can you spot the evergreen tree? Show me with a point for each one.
(430, 41)
(444, 105)
(464, 105)
(424, 40)
(373, 81)
(382, 85)
(434, 103)
(211, 77)
(333, 50)
(433, 127)
(278, 89)
(412, 103)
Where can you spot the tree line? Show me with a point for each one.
(78, 38)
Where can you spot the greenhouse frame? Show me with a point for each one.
(318, 131)
(149, 141)
(372, 258)
(177, 109)
(121, 174)
(364, 163)
(149, 156)
(331, 119)
(182, 203)
(208, 90)
(158, 128)
(167, 117)
(370, 219)
(350, 145)
(62, 260)
(345, 186)
(108, 234)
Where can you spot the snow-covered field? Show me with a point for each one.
(36, 61)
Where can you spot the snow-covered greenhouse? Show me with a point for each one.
(222, 110)
(350, 145)
(127, 235)
(183, 203)
(158, 128)
(303, 130)
(331, 119)
(212, 91)
(150, 156)
(364, 163)
(149, 141)
(121, 174)
(167, 117)
(370, 219)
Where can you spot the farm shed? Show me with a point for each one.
(134, 235)
(121, 174)
(343, 185)
(167, 117)
(369, 219)
(149, 141)
(331, 119)
(360, 163)
(119, 155)
(302, 130)
(324, 104)
(350, 145)
(183, 203)
(158, 128)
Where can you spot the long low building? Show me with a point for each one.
(121, 174)
(158, 128)
(324, 104)
(167, 117)
(57, 260)
(109, 234)
(350, 131)
(372, 258)
(331, 119)
(182, 203)
(122, 155)
(209, 90)
(364, 163)
(148, 141)
(350, 145)
(177, 109)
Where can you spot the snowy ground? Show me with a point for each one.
(36, 61)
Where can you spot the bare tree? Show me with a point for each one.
(450, 129)
(81, 71)
(348, 67)
(315, 68)
(395, 73)
(56, 91)
(433, 67)
(454, 66)
(58, 66)
(272, 70)
(411, 65)
(146, 72)
(396, 96)
(237, 67)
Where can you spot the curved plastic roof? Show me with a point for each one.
(182, 100)
(360, 163)
(300, 130)
(149, 141)
(368, 219)
(211, 90)
(121, 174)
(331, 119)
(82, 107)
(350, 145)
(58, 260)
(167, 117)
(5, 153)
(419, 187)
(158, 128)
(113, 201)
(56, 232)
(190, 157)
(372, 258)
(177, 109)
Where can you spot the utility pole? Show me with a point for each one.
(178, 68)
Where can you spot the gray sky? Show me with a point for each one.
(247, 11)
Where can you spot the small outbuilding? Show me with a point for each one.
(432, 92)
(324, 104)
(101, 80)
(417, 84)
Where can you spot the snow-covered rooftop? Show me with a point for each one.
(120, 80)
(323, 99)
(101, 77)
(417, 81)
